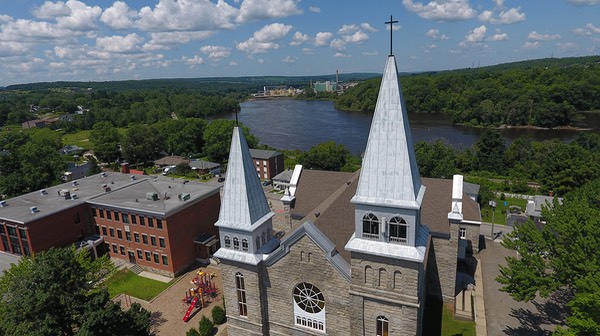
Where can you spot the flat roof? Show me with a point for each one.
(263, 153)
(123, 191)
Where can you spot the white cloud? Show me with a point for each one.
(289, 59)
(347, 29)
(119, 16)
(12, 48)
(233, 63)
(338, 44)
(474, 36)
(584, 2)
(589, 29)
(299, 38)
(168, 40)
(314, 9)
(342, 55)
(252, 10)
(51, 10)
(36, 31)
(357, 37)
(215, 53)
(262, 39)
(367, 27)
(120, 44)
(510, 16)
(567, 46)
(173, 15)
(5, 18)
(192, 62)
(531, 45)
(370, 53)
(535, 36)
(441, 10)
(499, 37)
(323, 38)
(435, 34)
(307, 51)
(73, 15)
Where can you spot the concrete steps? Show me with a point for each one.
(136, 269)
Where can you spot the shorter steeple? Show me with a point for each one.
(245, 220)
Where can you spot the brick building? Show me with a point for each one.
(162, 224)
(268, 163)
(366, 249)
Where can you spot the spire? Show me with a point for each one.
(244, 203)
(389, 175)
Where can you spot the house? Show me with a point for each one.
(161, 224)
(205, 167)
(366, 249)
(76, 171)
(172, 160)
(70, 150)
(535, 206)
(268, 163)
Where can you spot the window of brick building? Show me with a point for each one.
(125, 218)
(156, 257)
(148, 258)
(159, 224)
(101, 213)
(140, 255)
(122, 248)
(165, 260)
(161, 242)
(133, 219)
(112, 232)
(128, 235)
(240, 287)
(115, 248)
(142, 221)
(136, 237)
(119, 234)
(108, 214)
(150, 222)
(116, 216)
(153, 240)
(145, 238)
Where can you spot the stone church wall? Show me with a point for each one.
(306, 262)
(441, 266)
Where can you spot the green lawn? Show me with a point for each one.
(127, 282)
(81, 139)
(452, 327)
(500, 216)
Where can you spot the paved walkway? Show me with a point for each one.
(505, 316)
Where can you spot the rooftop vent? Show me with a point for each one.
(33, 209)
(43, 192)
(74, 197)
(132, 177)
(74, 183)
(152, 196)
(184, 196)
(106, 188)
(103, 174)
(3, 204)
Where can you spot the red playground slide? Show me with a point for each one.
(189, 311)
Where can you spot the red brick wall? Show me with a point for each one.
(60, 229)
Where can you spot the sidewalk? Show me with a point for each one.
(480, 319)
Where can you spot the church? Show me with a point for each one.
(368, 249)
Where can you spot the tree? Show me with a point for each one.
(561, 256)
(205, 326)
(325, 156)
(141, 143)
(217, 139)
(436, 159)
(218, 315)
(50, 294)
(105, 141)
(489, 150)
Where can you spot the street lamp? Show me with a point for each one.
(493, 205)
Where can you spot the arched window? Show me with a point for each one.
(257, 243)
(383, 326)
(236, 243)
(369, 275)
(398, 230)
(397, 280)
(383, 277)
(227, 241)
(371, 226)
(245, 245)
(268, 233)
(309, 306)
(263, 238)
(240, 287)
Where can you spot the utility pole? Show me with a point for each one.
(493, 205)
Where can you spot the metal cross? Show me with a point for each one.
(391, 23)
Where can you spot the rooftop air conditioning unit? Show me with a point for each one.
(152, 196)
(33, 209)
(3, 204)
(67, 195)
(133, 177)
(103, 174)
(74, 183)
(184, 196)
(43, 192)
(74, 197)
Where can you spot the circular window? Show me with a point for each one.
(309, 298)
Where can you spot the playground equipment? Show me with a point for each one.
(195, 296)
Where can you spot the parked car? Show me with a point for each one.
(266, 183)
(221, 179)
(169, 170)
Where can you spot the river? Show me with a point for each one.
(301, 124)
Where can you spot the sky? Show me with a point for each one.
(98, 40)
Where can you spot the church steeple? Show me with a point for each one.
(390, 175)
(245, 217)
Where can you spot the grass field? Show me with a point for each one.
(452, 327)
(81, 139)
(502, 206)
(127, 282)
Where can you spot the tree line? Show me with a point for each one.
(545, 93)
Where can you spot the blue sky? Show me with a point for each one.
(92, 40)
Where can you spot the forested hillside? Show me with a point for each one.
(545, 93)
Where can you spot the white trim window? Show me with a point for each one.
(462, 233)
(383, 326)
(227, 241)
(370, 226)
(398, 230)
(244, 244)
(309, 307)
(240, 288)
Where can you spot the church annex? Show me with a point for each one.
(368, 248)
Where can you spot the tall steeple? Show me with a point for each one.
(390, 175)
(245, 218)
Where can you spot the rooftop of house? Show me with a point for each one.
(111, 189)
(200, 164)
(263, 153)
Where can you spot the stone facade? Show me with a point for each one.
(441, 267)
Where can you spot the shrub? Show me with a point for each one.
(218, 315)
(205, 326)
(192, 332)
